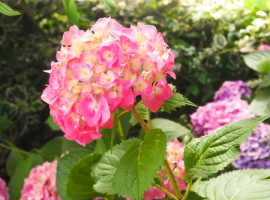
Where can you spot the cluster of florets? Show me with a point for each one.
(228, 108)
(255, 151)
(41, 183)
(3, 190)
(174, 156)
(213, 115)
(103, 69)
(232, 90)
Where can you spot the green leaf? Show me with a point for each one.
(6, 10)
(57, 146)
(100, 146)
(110, 6)
(64, 166)
(177, 41)
(137, 168)
(7, 55)
(172, 129)
(12, 161)
(51, 149)
(247, 184)
(176, 101)
(143, 111)
(194, 196)
(52, 124)
(265, 81)
(5, 123)
(258, 61)
(261, 104)
(80, 183)
(21, 172)
(124, 119)
(261, 4)
(220, 41)
(207, 155)
(193, 89)
(104, 169)
(72, 13)
(193, 35)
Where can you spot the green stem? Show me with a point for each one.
(14, 149)
(138, 104)
(122, 113)
(164, 190)
(188, 189)
(139, 118)
(120, 131)
(172, 179)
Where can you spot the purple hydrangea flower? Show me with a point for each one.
(213, 115)
(255, 150)
(232, 90)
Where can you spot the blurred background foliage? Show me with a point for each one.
(208, 37)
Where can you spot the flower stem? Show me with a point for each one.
(120, 131)
(122, 113)
(166, 191)
(188, 189)
(138, 104)
(172, 179)
(139, 118)
(14, 149)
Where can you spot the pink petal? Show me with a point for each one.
(152, 103)
(82, 71)
(142, 87)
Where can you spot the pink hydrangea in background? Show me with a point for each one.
(263, 47)
(232, 90)
(3, 190)
(41, 183)
(213, 115)
(174, 156)
(105, 68)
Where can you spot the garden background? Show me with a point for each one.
(214, 41)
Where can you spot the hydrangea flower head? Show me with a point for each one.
(41, 183)
(3, 190)
(213, 115)
(263, 47)
(255, 150)
(232, 90)
(103, 69)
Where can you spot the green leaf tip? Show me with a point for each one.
(6, 10)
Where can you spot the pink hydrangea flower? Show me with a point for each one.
(40, 184)
(3, 190)
(213, 115)
(263, 47)
(103, 69)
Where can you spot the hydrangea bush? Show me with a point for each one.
(101, 74)
(107, 71)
